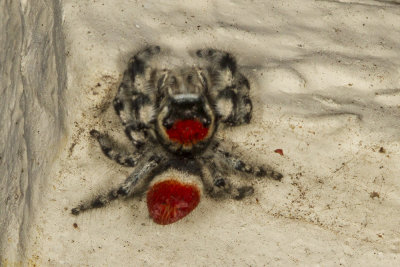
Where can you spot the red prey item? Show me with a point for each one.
(187, 132)
(169, 201)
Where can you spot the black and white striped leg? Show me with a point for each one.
(218, 186)
(232, 88)
(138, 62)
(239, 165)
(224, 59)
(135, 133)
(214, 181)
(135, 183)
(134, 103)
(112, 151)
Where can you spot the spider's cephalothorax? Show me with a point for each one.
(171, 117)
(185, 119)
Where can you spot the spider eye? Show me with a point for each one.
(206, 122)
(168, 123)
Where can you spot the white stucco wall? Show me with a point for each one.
(325, 79)
(33, 80)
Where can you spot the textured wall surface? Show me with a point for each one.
(325, 78)
(32, 80)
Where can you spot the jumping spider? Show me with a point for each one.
(171, 117)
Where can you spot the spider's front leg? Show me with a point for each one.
(239, 165)
(134, 184)
(134, 102)
(230, 87)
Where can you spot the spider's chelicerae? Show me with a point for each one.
(171, 117)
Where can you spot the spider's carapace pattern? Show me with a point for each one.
(171, 117)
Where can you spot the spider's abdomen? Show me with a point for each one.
(170, 201)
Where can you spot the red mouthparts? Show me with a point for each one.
(187, 132)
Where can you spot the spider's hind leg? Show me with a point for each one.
(239, 165)
(134, 184)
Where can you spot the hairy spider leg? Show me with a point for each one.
(239, 165)
(113, 151)
(231, 88)
(217, 184)
(137, 103)
(132, 185)
(134, 102)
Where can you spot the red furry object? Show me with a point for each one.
(169, 201)
(187, 132)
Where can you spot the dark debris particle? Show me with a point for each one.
(278, 177)
(382, 150)
(94, 133)
(75, 225)
(374, 195)
(75, 211)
